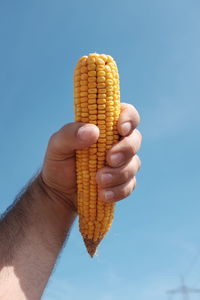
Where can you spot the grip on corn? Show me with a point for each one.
(96, 101)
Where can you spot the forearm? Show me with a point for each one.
(31, 235)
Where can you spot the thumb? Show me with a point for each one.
(71, 137)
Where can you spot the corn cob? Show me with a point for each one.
(96, 101)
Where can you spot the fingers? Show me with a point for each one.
(124, 150)
(128, 120)
(119, 192)
(110, 177)
(118, 183)
(72, 137)
(117, 180)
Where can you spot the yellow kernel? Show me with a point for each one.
(92, 96)
(107, 68)
(83, 76)
(84, 114)
(91, 59)
(83, 60)
(83, 82)
(101, 79)
(100, 61)
(84, 88)
(100, 68)
(92, 73)
(77, 71)
(110, 132)
(83, 99)
(92, 84)
(109, 82)
(102, 91)
(111, 64)
(92, 90)
(77, 89)
(101, 85)
(109, 138)
(92, 106)
(101, 158)
(102, 106)
(101, 126)
(109, 114)
(93, 117)
(94, 55)
(109, 142)
(84, 120)
(101, 73)
(110, 108)
(93, 122)
(92, 162)
(109, 75)
(104, 57)
(101, 112)
(109, 125)
(83, 69)
(93, 157)
(93, 112)
(101, 101)
(101, 149)
(92, 79)
(91, 67)
(77, 84)
(101, 117)
(83, 94)
(110, 88)
(84, 105)
(101, 122)
(103, 131)
(100, 96)
(110, 102)
(92, 150)
(91, 101)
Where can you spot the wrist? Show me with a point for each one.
(55, 197)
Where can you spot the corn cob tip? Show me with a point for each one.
(91, 246)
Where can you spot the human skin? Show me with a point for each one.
(34, 229)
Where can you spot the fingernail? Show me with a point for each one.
(126, 128)
(109, 195)
(117, 159)
(83, 133)
(106, 178)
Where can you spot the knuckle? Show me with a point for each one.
(138, 161)
(136, 116)
(54, 141)
(139, 134)
(122, 176)
(125, 175)
(138, 119)
(52, 138)
(126, 191)
(129, 146)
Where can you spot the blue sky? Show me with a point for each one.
(155, 234)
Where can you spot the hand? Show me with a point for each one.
(116, 181)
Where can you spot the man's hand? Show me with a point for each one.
(116, 181)
(33, 231)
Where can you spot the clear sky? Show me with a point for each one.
(155, 234)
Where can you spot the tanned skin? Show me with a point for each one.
(34, 229)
